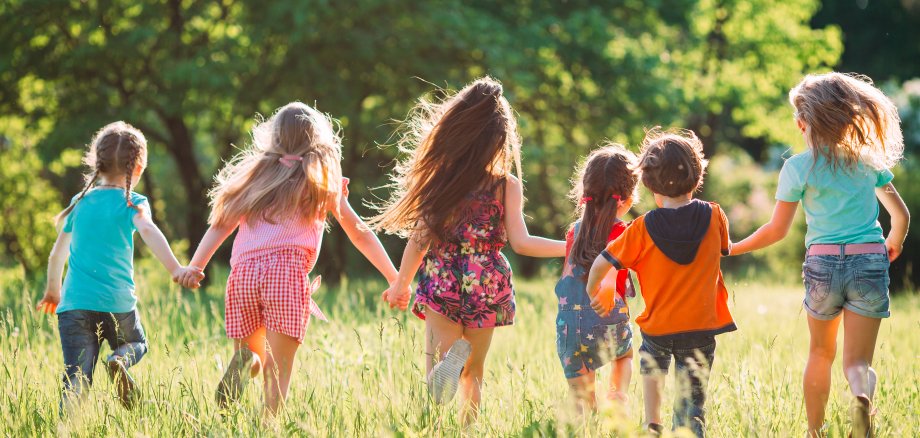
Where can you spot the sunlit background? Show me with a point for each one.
(194, 75)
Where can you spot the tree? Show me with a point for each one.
(192, 75)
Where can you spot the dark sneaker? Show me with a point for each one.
(233, 383)
(445, 375)
(655, 429)
(861, 417)
(124, 383)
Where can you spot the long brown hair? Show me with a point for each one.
(848, 120)
(291, 167)
(115, 151)
(605, 180)
(452, 148)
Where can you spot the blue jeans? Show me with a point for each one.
(82, 333)
(858, 283)
(693, 356)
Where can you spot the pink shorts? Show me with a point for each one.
(271, 291)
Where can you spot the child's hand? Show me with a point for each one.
(189, 277)
(395, 298)
(894, 249)
(49, 302)
(603, 301)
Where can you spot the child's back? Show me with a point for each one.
(466, 273)
(676, 255)
(101, 259)
(839, 203)
(263, 237)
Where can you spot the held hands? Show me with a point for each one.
(397, 296)
(49, 302)
(188, 277)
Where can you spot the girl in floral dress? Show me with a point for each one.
(458, 202)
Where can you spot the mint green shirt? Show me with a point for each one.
(840, 205)
(100, 273)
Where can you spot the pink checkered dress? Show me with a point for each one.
(269, 285)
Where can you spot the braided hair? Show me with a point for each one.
(606, 180)
(115, 150)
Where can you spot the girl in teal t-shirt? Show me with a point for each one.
(97, 241)
(854, 137)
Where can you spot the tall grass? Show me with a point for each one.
(362, 373)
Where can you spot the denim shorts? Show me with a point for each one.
(858, 283)
(584, 345)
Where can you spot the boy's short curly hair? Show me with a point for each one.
(672, 162)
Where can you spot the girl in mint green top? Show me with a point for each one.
(97, 242)
(854, 137)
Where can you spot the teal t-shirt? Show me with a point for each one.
(100, 273)
(840, 205)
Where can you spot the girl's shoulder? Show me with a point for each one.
(137, 198)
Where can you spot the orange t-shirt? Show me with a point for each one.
(680, 299)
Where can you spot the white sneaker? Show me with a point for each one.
(445, 375)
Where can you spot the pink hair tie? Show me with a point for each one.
(288, 160)
(618, 199)
(586, 199)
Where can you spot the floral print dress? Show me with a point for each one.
(466, 278)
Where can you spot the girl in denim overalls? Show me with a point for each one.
(854, 137)
(586, 341)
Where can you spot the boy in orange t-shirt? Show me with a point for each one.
(675, 251)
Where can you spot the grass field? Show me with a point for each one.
(361, 374)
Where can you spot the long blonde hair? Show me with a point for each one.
(452, 147)
(848, 120)
(291, 167)
(115, 151)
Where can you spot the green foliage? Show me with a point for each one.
(192, 76)
(28, 203)
(745, 190)
(881, 36)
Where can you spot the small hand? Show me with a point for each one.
(894, 249)
(49, 302)
(602, 303)
(189, 277)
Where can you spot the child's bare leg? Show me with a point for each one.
(859, 336)
(471, 378)
(581, 389)
(653, 385)
(256, 344)
(440, 334)
(816, 382)
(279, 363)
(620, 377)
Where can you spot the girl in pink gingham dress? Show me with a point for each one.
(278, 193)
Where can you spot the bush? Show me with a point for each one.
(28, 204)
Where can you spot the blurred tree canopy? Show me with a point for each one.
(192, 75)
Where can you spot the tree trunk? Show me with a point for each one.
(181, 149)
